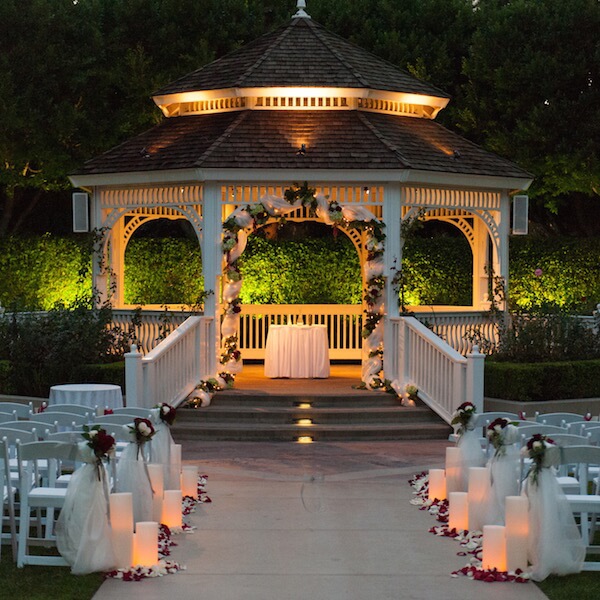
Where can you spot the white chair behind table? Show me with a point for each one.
(114, 420)
(558, 418)
(7, 416)
(24, 411)
(34, 496)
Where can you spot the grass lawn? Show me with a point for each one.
(584, 586)
(34, 582)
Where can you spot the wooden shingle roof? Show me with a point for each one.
(270, 139)
(301, 53)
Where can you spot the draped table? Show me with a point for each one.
(297, 351)
(104, 395)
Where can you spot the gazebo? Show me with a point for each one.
(297, 105)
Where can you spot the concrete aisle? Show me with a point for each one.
(323, 522)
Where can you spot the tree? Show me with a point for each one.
(532, 94)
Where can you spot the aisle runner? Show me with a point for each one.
(470, 541)
(165, 542)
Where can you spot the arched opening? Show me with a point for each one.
(162, 263)
(438, 265)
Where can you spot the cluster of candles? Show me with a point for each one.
(504, 547)
(137, 543)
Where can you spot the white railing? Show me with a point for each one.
(148, 327)
(445, 379)
(171, 371)
(343, 322)
(454, 326)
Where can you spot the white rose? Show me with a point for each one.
(537, 445)
(144, 429)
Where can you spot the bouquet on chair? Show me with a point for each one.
(463, 417)
(167, 413)
(101, 444)
(501, 433)
(142, 431)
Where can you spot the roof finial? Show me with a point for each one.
(301, 13)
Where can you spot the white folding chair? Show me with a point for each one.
(118, 419)
(24, 411)
(585, 504)
(7, 416)
(134, 411)
(76, 409)
(64, 419)
(41, 429)
(8, 487)
(39, 497)
(558, 418)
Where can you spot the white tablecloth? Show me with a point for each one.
(297, 351)
(87, 394)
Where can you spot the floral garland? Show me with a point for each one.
(207, 388)
(543, 453)
(502, 432)
(248, 218)
(463, 417)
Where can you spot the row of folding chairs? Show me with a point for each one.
(44, 475)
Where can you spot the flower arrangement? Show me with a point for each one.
(463, 417)
(102, 444)
(142, 431)
(167, 413)
(502, 432)
(542, 451)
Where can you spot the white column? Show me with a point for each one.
(392, 217)
(480, 261)
(212, 257)
(117, 263)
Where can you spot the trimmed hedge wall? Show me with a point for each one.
(533, 382)
(37, 272)
(6, 384)
(102, 373)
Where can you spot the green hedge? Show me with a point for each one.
(532, 382)
(102, 373)
(38, 272)
(570, 273)
(163, 271)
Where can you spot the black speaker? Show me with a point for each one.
(81, 212)
(520, 220)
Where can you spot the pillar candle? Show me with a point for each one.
(146, 544)
(121, 524)
(494, 547)
(437, 484)
(453, 471)
(174, 468)
(172, 510)
(458, 511)
(517, 532)
(478, 490)
(189, 481)
(157, 480)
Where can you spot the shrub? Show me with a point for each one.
(6, 385)
(530, 382)
(546, 338)
(102, 373)
(47, 349)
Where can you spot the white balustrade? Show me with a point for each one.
(343, 322)
(170, 371)
(445, 379)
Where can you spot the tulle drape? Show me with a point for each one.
(555, 544)
(471, 455)
(504, 477)
(83, 534)
(161, 443)
(132, 476)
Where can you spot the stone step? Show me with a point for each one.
(290, 414)
(289, 433)
(238, 398)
